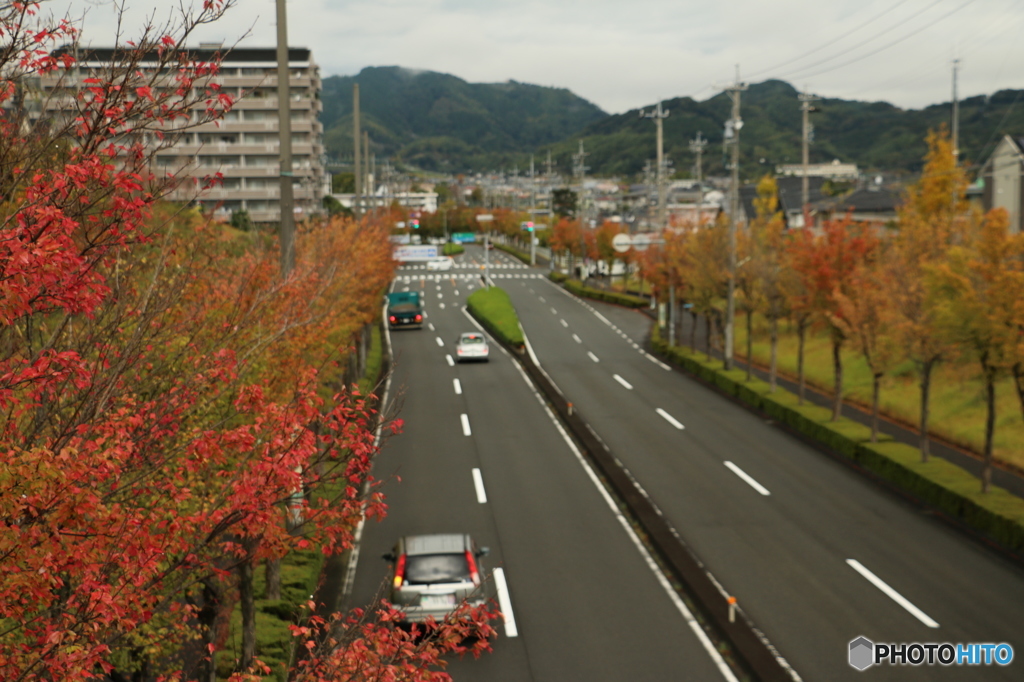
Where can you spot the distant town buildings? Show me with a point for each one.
(1001, 175)
(244, 145)
(832, 171)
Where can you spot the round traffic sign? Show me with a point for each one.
(622, 242)
(641, 241)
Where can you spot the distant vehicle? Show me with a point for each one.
(490, 245)
(471, 346)
(433, 574)
(405, 309)
(444, 263)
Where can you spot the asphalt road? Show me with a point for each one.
(815, 554)
(585, 600)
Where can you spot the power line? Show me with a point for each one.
(886, 46)
(830, 42)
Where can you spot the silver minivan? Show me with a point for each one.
(433, 574)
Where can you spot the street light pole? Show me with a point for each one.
(284, 115)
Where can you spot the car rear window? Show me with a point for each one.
(423, 569)
(472, 339)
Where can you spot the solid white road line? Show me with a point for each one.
(430, 326)
(478, 483)
(658, 362)
(451, 363)
(505, 603)
(458, 386)
(440, 342)
(670, 419)
(564, 323)
(891, 593)
(622, 381)
(577, 339)
(746, 477)
(465, 425)
(592, 356)
(602, 318)
(673, 596)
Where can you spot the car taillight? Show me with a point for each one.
(474, 574)
(392, 318)
(419, 318)
(400, 571)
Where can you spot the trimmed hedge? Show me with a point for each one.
(452, 249)
(998, 515)
(584, 291)
(493, 309)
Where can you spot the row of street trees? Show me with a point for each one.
(164, 425)
(945, 286)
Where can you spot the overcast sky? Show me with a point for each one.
(624, 54)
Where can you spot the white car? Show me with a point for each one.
(471, 346)
(444, 263)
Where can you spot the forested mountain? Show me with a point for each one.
(440, 122)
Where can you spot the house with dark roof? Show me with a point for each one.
(790, 199)
(1001, 175)
(874, 206)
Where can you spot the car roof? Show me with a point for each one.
(441, 543)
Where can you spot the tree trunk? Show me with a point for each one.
(707, 327)
(926, 382)
(876, 382)
(750, 341)
(693, 330)
(272, 569)
(990, 422)
(837, 365)
(801, 333)
(247, 601)
(773, 369)
(207, 618)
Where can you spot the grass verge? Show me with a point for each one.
(493, 309)
(998, 515)
(452, 249)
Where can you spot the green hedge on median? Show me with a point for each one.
(493, 309)
(516, 253)
(584, 291)
(998, 514)
(452, 249)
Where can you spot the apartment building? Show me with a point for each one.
(245, 145)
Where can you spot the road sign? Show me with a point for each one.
(464, 237)
(622, 242)
(641, 241)
(414, 253)
(484, 218)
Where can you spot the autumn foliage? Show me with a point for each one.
(163, 392)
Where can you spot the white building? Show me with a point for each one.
(833, 171)
(245, 145)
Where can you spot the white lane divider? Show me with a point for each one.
(465, 425)
(478, 483)
(622, 381)
(430, 326)
(577, 339)
(542, 299)
(456, 291)
(440, 342)
(891, 593)
(592, 356)
(451, 363)
(658, 362)
(458, 386)
(670, 419)
(746, 477)
(505, 603)
(441, 305)
(440, 295)
(564, 323)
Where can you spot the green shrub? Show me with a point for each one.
(997, 514)
(452, 249)
(524, 257)
(557, 277)
(493, 309)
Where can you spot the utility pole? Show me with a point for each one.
(284, 116)
(732, 136)
(368, 183)
(357, 143)
(533, 214)
(697, 146)
(808, 130)
(658, 115)
(579, 171)
(956, 115)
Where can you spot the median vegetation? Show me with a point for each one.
(493, 309)
(997, 514)
(452, 249)
(514, 252)
(580, 289)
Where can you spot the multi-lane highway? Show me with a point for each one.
(586, 603)
(815, 554)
